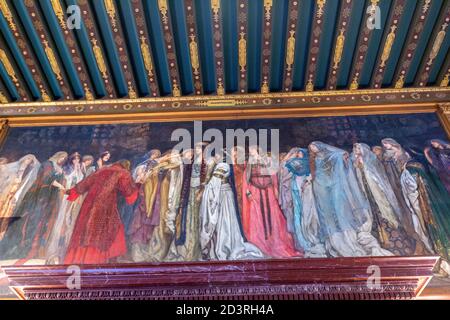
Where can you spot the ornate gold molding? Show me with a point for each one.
(445, 107)
(443, 114)
(8, 66)
(3, 130)
(59, 12)
(52, 59)
(7, 14)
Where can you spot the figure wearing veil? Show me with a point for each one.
(263, 221)
(285, 177)
(15, 180)
(438, 155)
(394, 160)
(344, 212)
(434, 205)
(220, 236)
(68, 213)
(385, 208)
(305, 217)
(27, 236)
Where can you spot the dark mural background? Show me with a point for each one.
(132, 141)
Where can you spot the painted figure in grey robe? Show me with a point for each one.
(394, 161)
(15, 180)
(285, 190)
(87, 165)
(438, 155)
(384, 205)
(220, 236)
(61, 232)
(344, 212)
(305, 217)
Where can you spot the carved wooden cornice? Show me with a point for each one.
(341, 278)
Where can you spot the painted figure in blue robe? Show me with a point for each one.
(305, 218)
(344, 212)
(438, 155)
(434, 205)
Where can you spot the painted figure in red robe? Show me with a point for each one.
(99, 235)
(263, 221)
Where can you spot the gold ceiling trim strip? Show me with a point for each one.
(273, 95)
(7, 14)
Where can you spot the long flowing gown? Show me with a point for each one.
(99, 234)
(65, 222)
(220, 234)
(16, 178)
(375, 184)
(263, 221)
(306, 219)
(344, 212)
(434, 204)
(440, 161)
(27, 237)
(285, 195)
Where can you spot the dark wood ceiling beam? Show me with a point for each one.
(266, 46)
(434, 46)
(145, 46)
(219, 56)
(171, 55)
(339, 43)
(194, 56)
(314, 45)
(288, 69)
(97, 48)
(27, 52)
(75, 52)
(242, 18)
(418, 23)
(388, 41)
(362, 45)
(49, 48)
(121, 45)
(444, 75)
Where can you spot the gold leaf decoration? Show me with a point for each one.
(354, 85)
(388, 47)
(111, 10)
(445, 81)
(215, 6)
(176, 90)
(265, 87)
(7, 14)
(163, 8)
(53, 62)
(310, 86)
(131, 92)
(426, 6)
(59, 12)
(8, 66)
(88, 94)
(320, 6)
(339, 49)
(267, 8)
(220, 89)
(242, 52)
(290, 52)
(99, 58)
(400, 82)
(437, 44)
(146, 55)
(3, 98)
(45, 96)
(193, 48)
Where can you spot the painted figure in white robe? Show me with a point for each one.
(68, 212)
(285, 189)
(305, 217)
(343, 209)
(384, 205)
(220, 237)
(15, 180)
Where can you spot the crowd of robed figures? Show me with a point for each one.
(320, 202)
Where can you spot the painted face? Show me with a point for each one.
(88, 163)
(76, 160)
(62, 160)
(436, 144)
(357, 149)
(188, 154)
(300, 154)
(313, 148)
(198, 150)
(387, 146)
(253, 151)
(106, 157)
